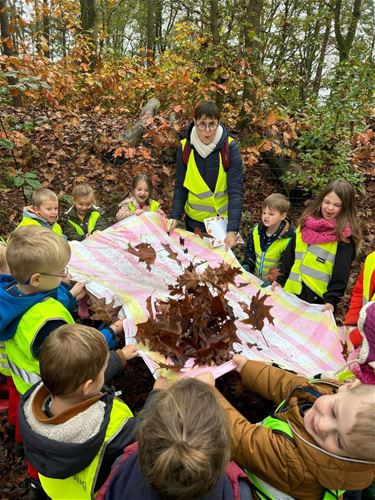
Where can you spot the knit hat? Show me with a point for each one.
(366, 327)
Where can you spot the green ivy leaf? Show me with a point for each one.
(18, 181)
(33, 183)
(6, 143)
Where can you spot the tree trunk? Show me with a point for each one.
(89, 23)
(322, 54)
(133, 135)
(251, 30)
(46, 28)
(344, 43)
(150, 33)
(7, 47)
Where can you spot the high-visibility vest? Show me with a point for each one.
(24, 366)
(368, 271)
(81, 485)
(264, 490)
(28, 221)
(4, 363)
(93, 219)
(154, 205)
(271, 257)
(313, 265)
(201, 201)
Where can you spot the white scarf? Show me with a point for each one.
(202, 149)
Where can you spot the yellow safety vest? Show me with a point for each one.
(313, 265)
(368, 271)
(4, 363)
(271, 257)
(202, 202)
(28, 221)
(264, 490)
(81, 485)
(154, 205)
(24, 366)
(93, 219)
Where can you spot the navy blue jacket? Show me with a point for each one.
(209, 169)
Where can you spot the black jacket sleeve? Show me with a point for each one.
(249, 260)
(180, 192)
(340, 273)
(115, 365)
(71, 233)
(287, 261)
(235, 188)
(43, 333)
(101, 224)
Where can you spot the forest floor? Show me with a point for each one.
(65, 149)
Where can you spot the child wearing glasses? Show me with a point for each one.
(209, 180)
(34, 301)
(43, 211)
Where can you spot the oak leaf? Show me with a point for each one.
(101, 311)
(144, 252)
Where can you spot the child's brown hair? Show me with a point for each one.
(363, 432)
(348, 212)
(183, 439)
(70, 356)
(42, 194)
(4, 268)
(146, 179)
(82, 190)
(34, 249)
(277, 201)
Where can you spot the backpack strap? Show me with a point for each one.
(224, 151)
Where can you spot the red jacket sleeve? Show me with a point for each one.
(352, 315)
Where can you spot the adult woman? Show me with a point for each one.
(208, 184)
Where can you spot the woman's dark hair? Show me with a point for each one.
(207, 108)
(183, 439)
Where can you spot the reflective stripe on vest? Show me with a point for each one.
(264, 490)
(93, 219)
(368, 271)
(4, 363)
(24, 366)
(28, 221)
(154, 205)
(81, 485)
(271, 257)
(313, 265)
(202, 202)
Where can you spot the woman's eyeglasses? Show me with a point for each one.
(202, 126)
(63, 275)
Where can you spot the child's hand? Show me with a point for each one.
(230, 240)
(130, 351)
(171, 225)
(117, 326)
(78, 291)
(162, 383)
(139, 211)
(274, 285)
(240, 361)
(207, 378)
(328, 307)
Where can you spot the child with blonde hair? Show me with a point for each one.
(73, 427)
(83, 217)
(319, 440)
(183, 451)
(43, 211)
(316, 264)
(139, 200)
